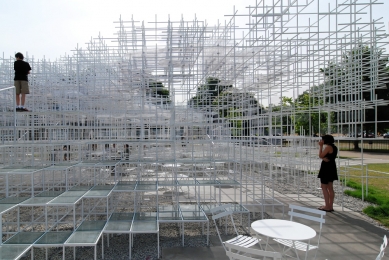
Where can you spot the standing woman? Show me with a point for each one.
(328, 172)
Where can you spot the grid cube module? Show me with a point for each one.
(141, 111)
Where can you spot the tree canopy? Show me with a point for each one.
(229, 103)
(308, 119)
(361, 77)
(158, 91)
(207, 92)
(300, 116)
(239, 108)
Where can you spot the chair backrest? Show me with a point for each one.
(382, 249)
(220, 208)
(221, 212)
(242, 253)
(315, 215)
(307, 213)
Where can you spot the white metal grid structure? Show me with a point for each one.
(180, 105)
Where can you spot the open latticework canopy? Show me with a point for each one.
(197, 109)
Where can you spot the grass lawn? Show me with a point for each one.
(378, 189)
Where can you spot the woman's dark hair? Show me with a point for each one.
(19, 55)
(328, 139)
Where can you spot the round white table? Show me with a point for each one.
(283, 229)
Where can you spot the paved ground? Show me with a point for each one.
(357, 158)
(365, 155)
(346, 235)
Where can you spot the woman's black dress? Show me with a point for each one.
(328, 172)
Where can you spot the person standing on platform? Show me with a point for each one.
(328, 171)
(22, 69)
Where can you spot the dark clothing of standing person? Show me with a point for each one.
(328, 172)
(22, 69)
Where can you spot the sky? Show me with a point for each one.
(51, 28)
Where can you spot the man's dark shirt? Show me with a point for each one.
(21, 70)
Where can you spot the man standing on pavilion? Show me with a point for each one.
(22, 69)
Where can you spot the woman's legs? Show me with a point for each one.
(329, 196)
(331, 193)
(326, 195)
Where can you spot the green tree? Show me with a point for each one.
(158, 91)
(365, 71)
(301, 115)
(309, 119)
(207, 92)
(282, 118)
(236, 123)
(228, 103)
(239, 108)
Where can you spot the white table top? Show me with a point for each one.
(283, 229)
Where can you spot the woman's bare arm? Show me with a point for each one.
(323, 153)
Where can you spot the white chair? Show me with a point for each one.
(255, 234)
(382, 249)
(239, 240)
(235, 252)
(313, 215)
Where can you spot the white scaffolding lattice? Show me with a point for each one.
(192, 108)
